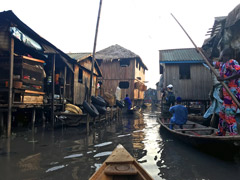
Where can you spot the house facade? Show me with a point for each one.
(82, 74)
(184, 69)
(124, 69)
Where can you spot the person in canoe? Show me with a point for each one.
(229, 73)
(128, 102)
(170, 97)
(180, 114)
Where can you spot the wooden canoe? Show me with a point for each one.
(147, 104)
(120, 165)
(134, 110)
(202, 137)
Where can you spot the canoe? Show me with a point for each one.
(120, 165)
(133, 111)
(147, 104)
(202, 137)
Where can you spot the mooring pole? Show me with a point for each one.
(208, 63)
(10, 86)
(93, 60)
(53, 89)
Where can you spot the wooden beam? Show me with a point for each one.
(64, 85)
(53, 90)
(10, 86)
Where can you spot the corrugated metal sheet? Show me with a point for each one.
(8, 17)
(79, 56)
(186, 55)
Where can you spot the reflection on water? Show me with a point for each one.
(68, 153)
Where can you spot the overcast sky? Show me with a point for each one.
(142, 26)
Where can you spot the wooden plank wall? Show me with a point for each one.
(4, 38)
(196, 88)
(79, 88)
(139, 72)
(113, 73)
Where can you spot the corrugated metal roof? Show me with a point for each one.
(79, 56)
(186, 55)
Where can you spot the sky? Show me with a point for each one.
(141, 26)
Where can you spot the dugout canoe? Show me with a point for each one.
(120, 165)
(133, 111)
(202, 137)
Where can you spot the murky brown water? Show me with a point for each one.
(68, 153)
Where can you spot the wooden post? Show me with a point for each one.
(64, 86)
(43, 118)
(33, 123)
(93, 60)
(10, 86)
(1, 123)
(53, 90)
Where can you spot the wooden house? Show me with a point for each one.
(184, 69)
(82, 73)
(33, 72)
(223, 34)
(124, 69)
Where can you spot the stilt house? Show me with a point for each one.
(34, 74)
(184, 69)
(82, 73)
(124, 69)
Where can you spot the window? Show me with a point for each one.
(161, 69)
(80, 76)
(125, 63)
(184, 71)
(124, 84)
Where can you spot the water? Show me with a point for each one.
(68, 153)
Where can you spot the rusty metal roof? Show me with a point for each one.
(184, 55)
(79, 56)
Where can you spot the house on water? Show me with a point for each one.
(82, 73)
(124, 69)
(35, 76)
(184, 69)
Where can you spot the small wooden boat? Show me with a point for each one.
(120, 165)
(202, 137)
(133, 111)
(147, 104)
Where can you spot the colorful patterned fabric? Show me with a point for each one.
(227, 115)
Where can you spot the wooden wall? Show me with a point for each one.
(4, 38)
(139, 72)
(196, 88)
(80, 88)
(113, 73)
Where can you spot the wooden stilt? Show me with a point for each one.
(10, 87)
(53, 90)
(43, 118)
(33, 118)
(64, 87)
(1, 123)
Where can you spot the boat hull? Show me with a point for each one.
(120, 165)
(203, 138)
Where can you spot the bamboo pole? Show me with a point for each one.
(209, 64)
(93, 61)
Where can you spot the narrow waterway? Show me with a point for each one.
(68, 153)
